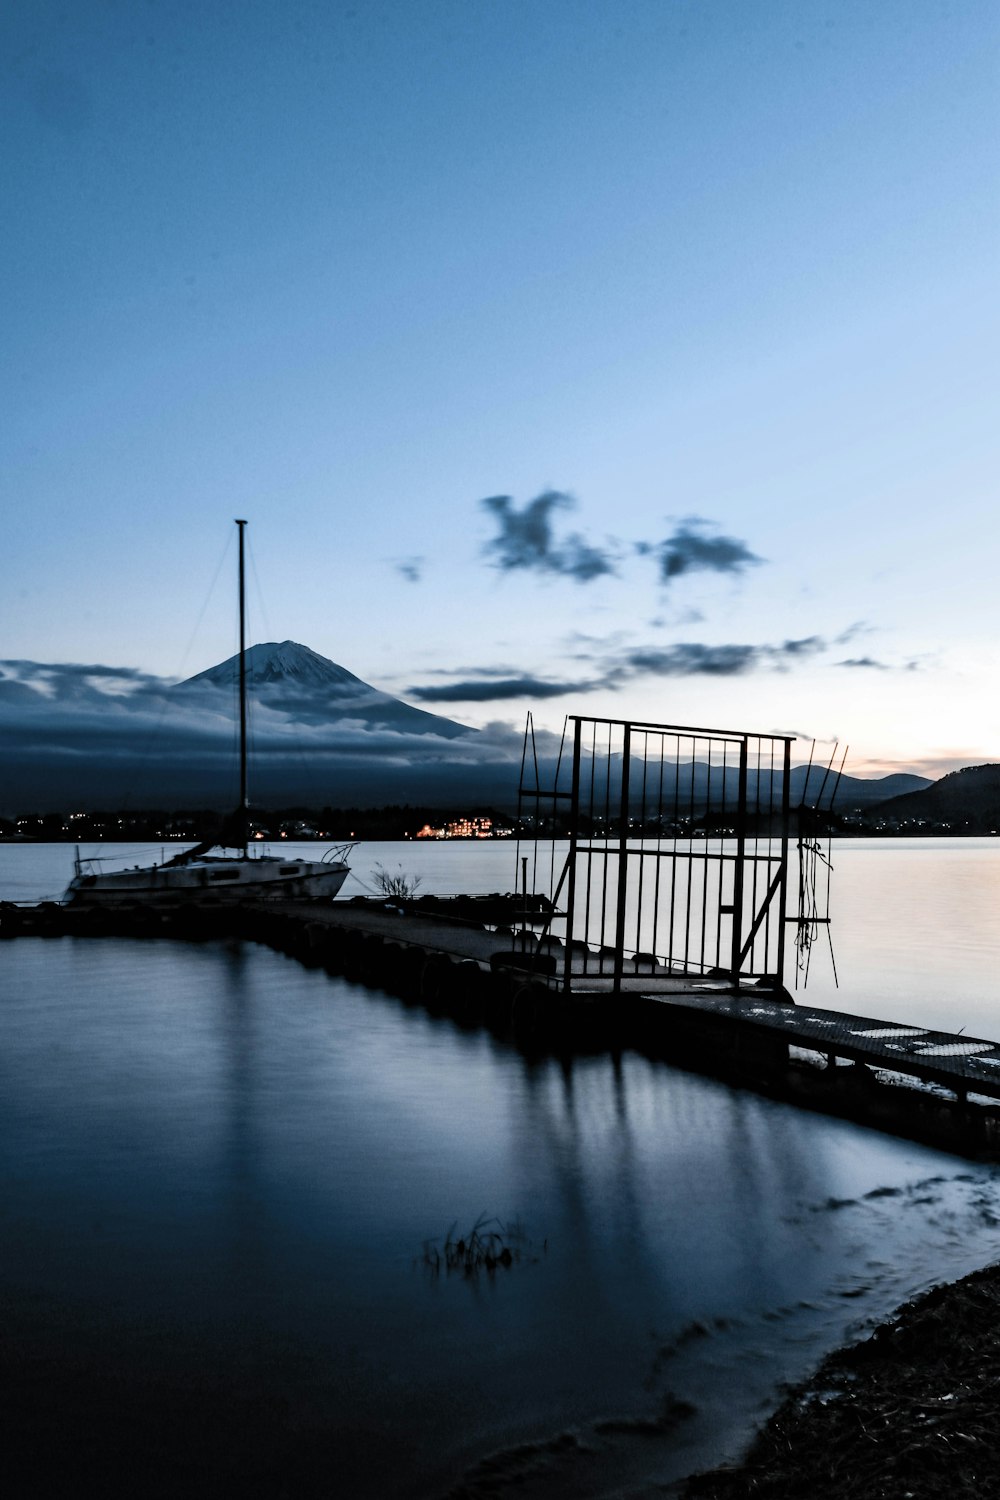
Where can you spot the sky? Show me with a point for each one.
(635, 359)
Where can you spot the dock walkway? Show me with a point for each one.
(962, 1064)
(591, 969)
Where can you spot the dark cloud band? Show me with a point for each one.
(683, 659)
(490, 689)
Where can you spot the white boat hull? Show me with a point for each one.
(209, 879)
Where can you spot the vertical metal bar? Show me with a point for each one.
(783, 888)
(673, 852)
(756, 840)
(654, 944)
(704, 863)
(741, 836)
(722, 854)
(622, 860)
(574, 818)
(690, 858)
(607, 843)
(642, 841)
(767, 851)
(555, 809)
(590, 833)
(774, 824)
(522, 795)
(538, 822)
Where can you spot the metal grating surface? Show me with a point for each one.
(963, 1063)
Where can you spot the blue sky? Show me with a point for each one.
(723, 275)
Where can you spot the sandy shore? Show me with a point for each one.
(912, 1413)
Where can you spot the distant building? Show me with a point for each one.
(465, 828)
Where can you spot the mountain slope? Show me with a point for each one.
(967, 800)
(855, 791)
(310, 689)
(704, 785)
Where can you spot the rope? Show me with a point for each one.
(809, 918)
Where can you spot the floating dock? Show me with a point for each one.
(934, 1086)
(655, 900)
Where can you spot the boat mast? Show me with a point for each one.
(244, 801)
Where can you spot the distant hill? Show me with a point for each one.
(967, 801)
(855, 791)
(712, 786)
(851, 791)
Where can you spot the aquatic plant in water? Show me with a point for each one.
(488, 1246)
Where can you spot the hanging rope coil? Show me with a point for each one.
(814, 905)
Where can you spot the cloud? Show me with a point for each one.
(859, 627)
(694, 658)
(690, 659)
(12, 691)
(863, 661)
(692, 548)
(582, 646)
(71, 681)
(70, 737)
(807, 645)
(612, 668)
(526, 540)
(510, 737)
(489, 689)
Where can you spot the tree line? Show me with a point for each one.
(395, 821)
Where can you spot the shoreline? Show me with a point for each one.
(909, 1411)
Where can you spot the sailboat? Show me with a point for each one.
(200, 874)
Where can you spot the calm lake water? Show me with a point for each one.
(221, 1168)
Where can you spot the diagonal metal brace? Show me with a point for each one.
(772, 890)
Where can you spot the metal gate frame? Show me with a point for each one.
(752, 860)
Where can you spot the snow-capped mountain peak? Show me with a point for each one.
(283, 661)
(292, 680)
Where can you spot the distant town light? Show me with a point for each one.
(465, 828)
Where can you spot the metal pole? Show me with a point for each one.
(244, 800)
(622, 861)
(741, 846)
(574, 831)
(783, 892)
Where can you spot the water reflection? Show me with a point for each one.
(247, 1239)
(266, 1149)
